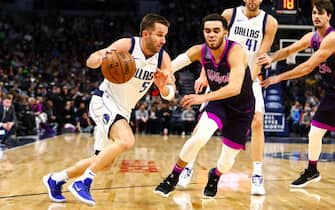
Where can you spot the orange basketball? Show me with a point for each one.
(118, 67)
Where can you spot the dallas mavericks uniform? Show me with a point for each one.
(115, 101)
(233, 115)
(324, 117)
(249, 33)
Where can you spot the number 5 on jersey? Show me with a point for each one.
(144, 86)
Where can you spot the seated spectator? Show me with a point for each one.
(176, 123)
(153, 122)
(37, 107)
(8, 119)
(69, 120)
(164, 116)
(141, 116)
(84, 124)
(188, 117)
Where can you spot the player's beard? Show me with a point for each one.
(217, 46)
(152, 47)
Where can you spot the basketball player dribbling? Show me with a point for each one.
(255, 30)
(323, 42)
(111, 106)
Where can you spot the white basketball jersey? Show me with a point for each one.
(247, 32)
(126, 95)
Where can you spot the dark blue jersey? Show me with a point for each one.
(326, 68)
(218, 76)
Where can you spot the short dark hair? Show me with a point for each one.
(324, 5)
(149, 20)
(213, 17)
(8, 97)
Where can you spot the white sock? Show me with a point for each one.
(257, 168)
(60, 176)
(87, 174)
(190, 164)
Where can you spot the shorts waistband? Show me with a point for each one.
(98, 92)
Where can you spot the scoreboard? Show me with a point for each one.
(288, 7)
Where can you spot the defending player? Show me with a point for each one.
(230, 104)
(255, 30)
(323, 42)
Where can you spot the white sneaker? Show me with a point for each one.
(185, 177)
(257, 185)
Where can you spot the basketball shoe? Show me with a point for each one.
(54, 188)
(257, 185)
(305, 178)
(81, 190)
(212, 185)
(168, 185)
(185, 177)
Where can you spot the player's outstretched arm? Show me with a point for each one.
(326, 49)
(283, 53)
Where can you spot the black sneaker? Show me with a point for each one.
(305, 178)
(212, 185)
(167, 186)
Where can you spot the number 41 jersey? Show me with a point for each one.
(248, 32)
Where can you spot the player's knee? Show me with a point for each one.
(225, 163)
(127, 143)
(226, 159)
(200, 138)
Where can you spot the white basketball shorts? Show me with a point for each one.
(258, 93)
(103, 110)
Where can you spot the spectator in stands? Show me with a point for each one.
(164, 115)
(176, 123)
(69, 118)
(58, 104)
(294, 120)
(153, 121)
(8, 119)
(306, 120)
(188, 117)
(84, 124)
(80, 110)
(141, 116)
(50, 111)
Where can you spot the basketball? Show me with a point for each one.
(118, 67)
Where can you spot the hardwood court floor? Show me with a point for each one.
(130, 182)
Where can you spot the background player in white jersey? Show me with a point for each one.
(111, 105)
(255, 31)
